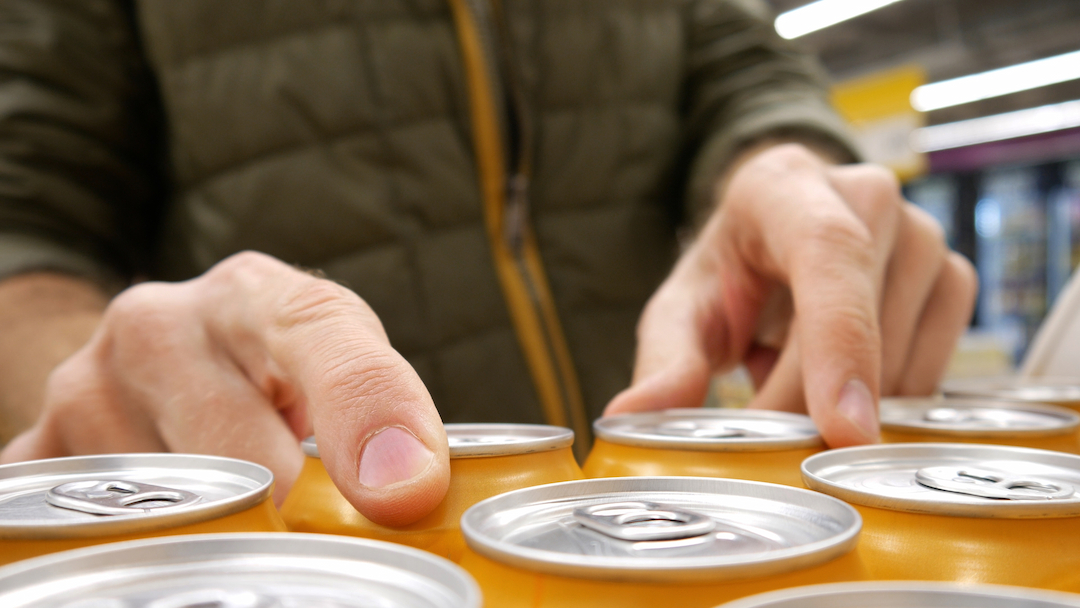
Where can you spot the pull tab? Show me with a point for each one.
(949, 415)
(643, 521)
(989, 484)
(117, 497)
(689, 428)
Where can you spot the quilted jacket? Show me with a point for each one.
(501, 180)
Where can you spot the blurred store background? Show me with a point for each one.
(995, 157)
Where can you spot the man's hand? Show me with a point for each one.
(244, 361)
(829, 286)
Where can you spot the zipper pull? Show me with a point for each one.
(516, 214)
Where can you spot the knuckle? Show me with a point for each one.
(244, 262)
(144, 307)
(925, 224)
(790, 157)
(833, 237)
(964, 275)
(854, 328)
(310, 300)
(365, 375)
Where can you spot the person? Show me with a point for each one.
(493, 191)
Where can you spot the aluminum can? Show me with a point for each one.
(64, 503)
(968, 420)
(485, 460)
(758, 445)
(960, 512)
(239, 570)
(644, 542)
(908, 594)
(1052, 390)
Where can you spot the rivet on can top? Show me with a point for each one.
(710, 430)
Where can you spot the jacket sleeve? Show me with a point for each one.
(746, 83)
(76, 140)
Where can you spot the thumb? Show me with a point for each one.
(379, 434)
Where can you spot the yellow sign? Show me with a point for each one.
(879, 109)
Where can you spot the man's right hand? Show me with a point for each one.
(243, 361)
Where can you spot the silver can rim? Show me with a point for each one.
(666, 570)
(607, 429)
(1003, 388)
(449, 575)
(261, 476)
(1069, 419)
(878, 594)
(528, 439)
(813, 466)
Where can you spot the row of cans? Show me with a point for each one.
(288, 570)
(973, 513)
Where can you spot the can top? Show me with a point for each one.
(963, 480)
(89, 496)
(661, 529)
(908, 594)
(480, 440)
(712, 430)
(960, 417)
(239, 571)
(1056, 390)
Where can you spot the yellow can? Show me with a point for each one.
(54, 505)
(758, 445)
(485, 460)
(960, 512)
(962, 420)
(1061, 391)
(643, 542)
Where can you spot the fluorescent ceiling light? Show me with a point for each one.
(823, 13)
(1020, 77)
(1000, 126)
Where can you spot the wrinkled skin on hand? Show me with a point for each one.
(244, 361)
(823, 281)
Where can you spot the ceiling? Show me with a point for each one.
(952, 38)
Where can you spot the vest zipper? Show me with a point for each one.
(500, 125)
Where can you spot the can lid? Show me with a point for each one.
(89, 496)
(960, 417)
(661, 529)
(908, 594)
(712, 430)
(1058, 390)
(963, 480)
(239, 571)
(481, 440)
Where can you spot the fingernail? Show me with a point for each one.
(857, 405)
(392, 455)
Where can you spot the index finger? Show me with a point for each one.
(832, 252)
